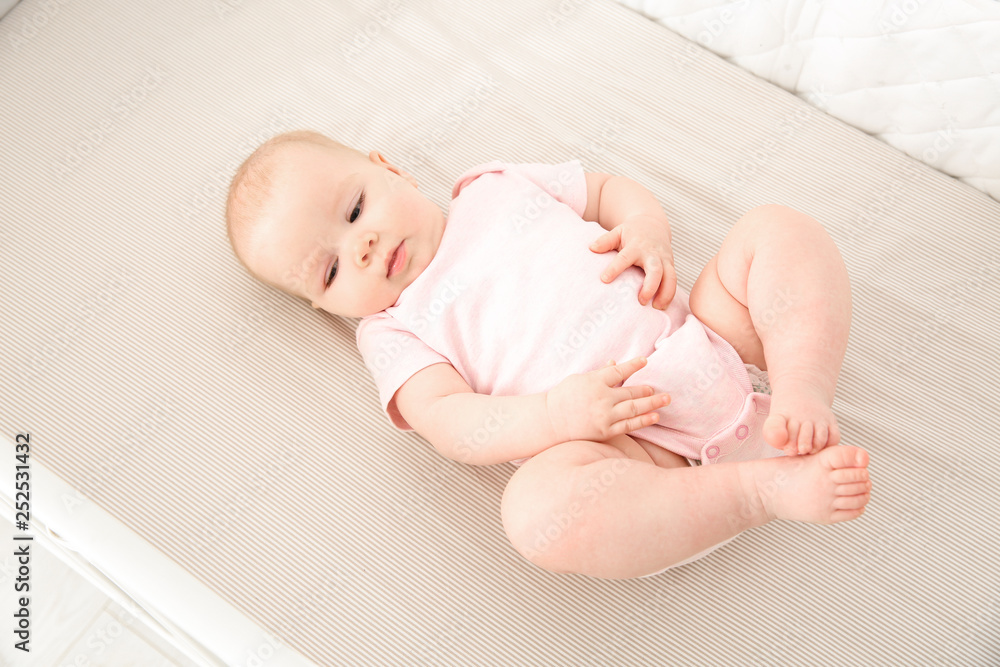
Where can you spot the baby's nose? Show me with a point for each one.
(364, 251)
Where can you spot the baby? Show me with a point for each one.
(540, 323)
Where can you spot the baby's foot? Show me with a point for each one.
(827, 487)
(800, 420)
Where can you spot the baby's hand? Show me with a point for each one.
(591, 406)
(643, 241)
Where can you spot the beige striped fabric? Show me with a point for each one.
(237, 430)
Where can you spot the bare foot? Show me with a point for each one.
(827, 487)
(800, 421)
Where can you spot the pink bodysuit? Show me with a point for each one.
(514, 300)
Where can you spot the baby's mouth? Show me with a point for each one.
(395, 260)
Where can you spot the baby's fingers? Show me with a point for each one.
(625, 258)
(639, 404)
(614, 374)
(667, 290)
(654, 272)
(633, 423)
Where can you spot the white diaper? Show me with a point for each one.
(759, 380)
(697, 556)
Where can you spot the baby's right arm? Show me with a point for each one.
(478, 429)
(481, 429)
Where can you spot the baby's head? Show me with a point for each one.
(322, 221)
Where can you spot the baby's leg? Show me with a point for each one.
(588, 508)
(778, 292)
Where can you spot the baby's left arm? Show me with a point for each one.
(638, 229)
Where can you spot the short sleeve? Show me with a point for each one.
(393, 354)
(565, 182)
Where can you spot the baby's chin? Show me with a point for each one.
(370, 308)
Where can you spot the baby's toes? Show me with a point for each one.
(820, 437)
(805, 438)
(850, 502)
(834, 437)
(852, 489)
(848, 472)
(792, 447)
(821, 433)
(776, 431)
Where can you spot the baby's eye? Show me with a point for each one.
(354, 216)
(357, 209)
(333, 273)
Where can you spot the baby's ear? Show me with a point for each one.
(381, 160)
(394, 169)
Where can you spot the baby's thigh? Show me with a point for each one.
(715, 306)
(659, 456)
(546, 486)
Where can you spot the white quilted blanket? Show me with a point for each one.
(922, 75)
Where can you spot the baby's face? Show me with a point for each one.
(335, 222)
